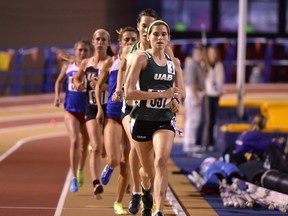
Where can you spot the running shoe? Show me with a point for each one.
(134, 204)
(80, 178)
(98, 190)
(158, 213)
(106, 175)
(154, 207)
(90, 148)
(74, 185)
(147, 200)
(118, 209)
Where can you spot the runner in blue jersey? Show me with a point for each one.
(114, 135)
(74, 105)
(91, 68)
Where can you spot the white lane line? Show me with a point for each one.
(64, 193)
(25, 207)
(29, 139)
(177, 208)
(68, 177)
(21, 142)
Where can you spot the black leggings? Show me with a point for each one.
(209, 110)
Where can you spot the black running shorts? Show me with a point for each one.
(143, 131)
(91, 112)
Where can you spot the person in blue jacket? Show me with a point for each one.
(252, 142)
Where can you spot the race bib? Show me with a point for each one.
(92, 98)
(71, 86)
(158, 103)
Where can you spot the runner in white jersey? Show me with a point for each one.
(75, 108)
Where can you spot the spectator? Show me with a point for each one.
(214, 81)
(252, 144)
(194, 82)
(257, 74)
(253, 141)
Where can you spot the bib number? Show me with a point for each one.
(92, 98)
(71, 86)
(158, 103)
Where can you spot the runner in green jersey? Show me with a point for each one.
(151, 82)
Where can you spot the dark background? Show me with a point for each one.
(36, 22)
(33, 31)
(45, 23)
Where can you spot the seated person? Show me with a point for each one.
(253, 140)
(252, 144)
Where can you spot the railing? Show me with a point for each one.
(30, 70)
(34, 69)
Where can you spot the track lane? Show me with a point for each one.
(32, 177)
(32, 170)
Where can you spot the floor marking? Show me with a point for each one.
(68, 177)
(177, 208)
(64, 193)
(29, 139)
(25, 207)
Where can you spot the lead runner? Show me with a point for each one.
(157, 100)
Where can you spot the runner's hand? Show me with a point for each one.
(57, 101)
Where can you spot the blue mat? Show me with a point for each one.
(188, 163)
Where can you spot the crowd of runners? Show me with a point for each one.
(124, 107)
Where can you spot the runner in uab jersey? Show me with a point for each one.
(144, 19)
(154, 78)
(91, 69)
(150, 82)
